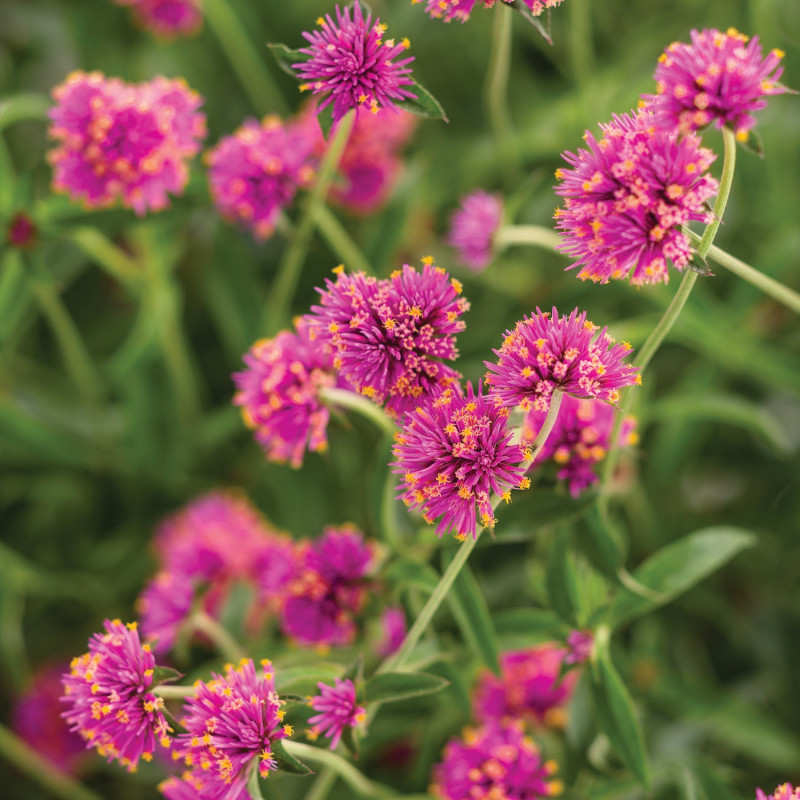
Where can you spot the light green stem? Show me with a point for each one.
(361, 405)
(580, 40)
(340, 240)
(536, 235)
(548, 424)
(224, 642)
(27, 760)
(496, 88)
(322, 785)
(174, 692)
(24, 107)
(282, 294)
(107, 255)
(245, 60)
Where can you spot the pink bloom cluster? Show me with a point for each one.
(108, 697)
(783, 792)
(448, 10)
(166, 18)
(627, 198)
(473, 226)
(337, 709)
(127, 142)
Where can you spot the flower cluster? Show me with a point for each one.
(448, 10)
(719, 78)
(107, 691)
(627, 197)
(337, 709)
(473, 226)
(127, 142)
(166, 18)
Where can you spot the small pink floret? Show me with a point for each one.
(473, 226)
(337, 709)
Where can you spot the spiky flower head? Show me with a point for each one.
(448, 10)
(473, 226)
(453, 453)
(494, 761)
(166, 19)
(783, 792)
(231, 725)
(719, 77)
(546, 352)
(627, 198)
(389, 337)
(108, 697)
(120, 141)
(337, 709)
(351, 63)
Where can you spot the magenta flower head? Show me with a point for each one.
(279, 394)
(164, 606)
(528, 687)
(579, 647)
(351, 64)
(337, 709)
(394, 628)
(544, 353)
(473, 226)
(453, 453)
(231, 724)
(627, 197)
(719, 77)
(166, 18)
(108, 697)
(255, 173)
(783, 792)
(494, 761)
(127, 142)
(389, 337)
(448, 10)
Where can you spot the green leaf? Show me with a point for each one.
(529, 622)
(304, 679)
(350, 741)
(405, 573)
(355, 670)
(389, 687)
(287, 762)
(543, 31)
(325, 120)
(286, 57)
(601, 544)
(616, 715)
(424, 105)
(165, 675)
(562, 581)
(677, 567)
(537, 509)
(24, 107)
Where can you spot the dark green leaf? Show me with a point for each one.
(287, 762)
(350, 740)
(544, 31)
(294, 699)
(562, 582)
(165, 675)
(529, 622)
(424, 105)
(405, 573)
(325, 120)
(601, 544)
(389, 687)
(285, 57)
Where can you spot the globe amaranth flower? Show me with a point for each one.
(164, 606)
(579, 441)
(166, 18)
(448, 10)
(351, 64)
(108, 697)
(255, 173)
(494, 761)
(390, 337)
(337, 709)
(394, 628)
(783, 792)
(329, 590)
(719, 77)
(579, 647)
(127, 142)
(473, 226)
(453, 453)
(528, 687)
(627, 197)
(546, 352)
(231, 724)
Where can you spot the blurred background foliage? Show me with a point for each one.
(83, 484)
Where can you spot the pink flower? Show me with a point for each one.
(719, 77)
(448, 10)
(473, 226)
(394, 631)
(783, 792)
(350, 64)
(21, 231)
(166, 18)
(627, 198)
(108, 697)
(337, 710)
(120, 141)
(544, 353)
(579, 647)
(164, 606)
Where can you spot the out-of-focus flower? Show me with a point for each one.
(719, 77)
(21, 231)
(164, 605)
(627, 198)
(473, 226)
(166, 18)
(127, 142)
(494, 761)
(579, 647)
(544, 353)
(448, 10)
(394, 631)
(351, 64)
(783, 792)
(108, 695)
(390, 337)
(580, 439)
(337, 709)
(453, 453)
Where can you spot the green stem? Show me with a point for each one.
(548, 424)
(174, 692)
(340, 240)
(361, 405)
(322, 785)
(27, 760)
(107, 255)
(580, 41)
(224, 642)
(254, 784)
(282, 294)
(536, 235)
(244, 59)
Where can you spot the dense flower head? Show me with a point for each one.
(107, 691)
(719, 77)
(337, 709)
(494, 762)
(528, 687)
(166, 18)
(352, 65)
(453, 453)
(579, 441)
(783, 792)
(448, 10)
(231, 723)
(279, 394)
(546, 352)
(390, 336)
(473, 226)
(329, 589)
(627, 197)
(120, 141)
(255, 173)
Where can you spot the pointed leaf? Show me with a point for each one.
(544, 31)
(286, 57)
(287, 762)
(424, 105)
(562, 581)
(405, 573)
(350, 740)
(325, 120)
(601, 544)
(529, 622)
(389, 687)
(305, 678)
(355, 671)
(165, 675)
